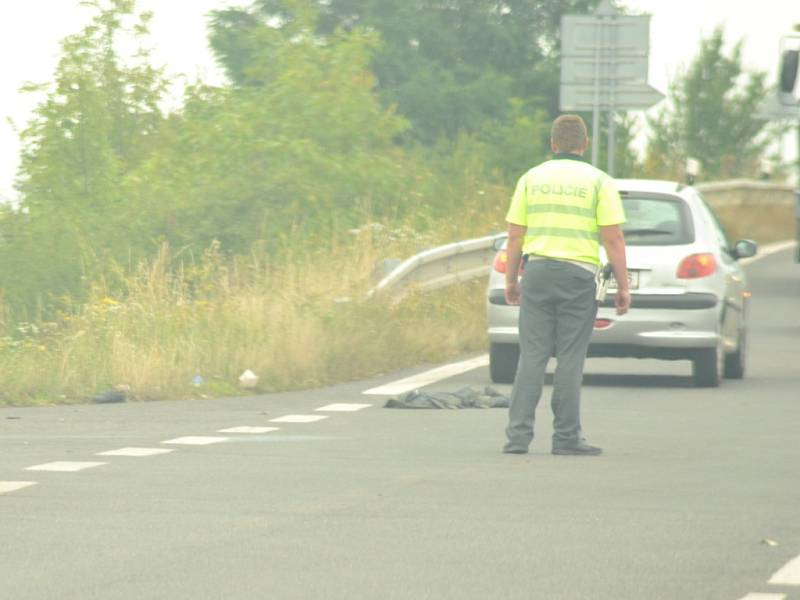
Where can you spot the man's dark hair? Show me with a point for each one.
(569, 133)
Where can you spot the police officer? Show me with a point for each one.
(560, 212)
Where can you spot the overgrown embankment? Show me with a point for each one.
(296, 324)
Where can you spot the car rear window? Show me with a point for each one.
(654, 220)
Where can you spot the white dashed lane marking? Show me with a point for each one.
(789, 574)
(13, 486)
(65, 466)
(138, 452)
(196, 440)
(245, 429)
(428, 377)
(758, 596)
(343, 407)
(298, 419)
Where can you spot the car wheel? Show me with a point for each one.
(735, 363)
(503, 359)
(707, 366)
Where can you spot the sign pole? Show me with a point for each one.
(612, 126)
(596, 109)
(604, 64)
(612, 141)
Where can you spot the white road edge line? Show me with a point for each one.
(428, 377)
(13, 486)
(65, 466)
(769, 250)
(760, 596)
(789, 574)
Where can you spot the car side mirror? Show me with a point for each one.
(744, 249)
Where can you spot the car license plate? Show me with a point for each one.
(633, 281)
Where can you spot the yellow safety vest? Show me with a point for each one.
(563, 202)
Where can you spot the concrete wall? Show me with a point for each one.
(746, 192)
(757, 210)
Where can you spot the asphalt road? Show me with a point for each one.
(696, 497)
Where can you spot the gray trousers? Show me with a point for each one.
(556, 318)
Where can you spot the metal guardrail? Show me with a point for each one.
(472, 259)
(440, 267)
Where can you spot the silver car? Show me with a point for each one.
(689, 293)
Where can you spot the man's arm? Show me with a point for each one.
(614, 243)
(516, 236)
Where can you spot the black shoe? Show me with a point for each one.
(514, 450)
(579, 449)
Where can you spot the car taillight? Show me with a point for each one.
(696, 266)
(602, 323)
(501, 261)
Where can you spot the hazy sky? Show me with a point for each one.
(30, 33)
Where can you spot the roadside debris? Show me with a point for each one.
(118, 394)
(248, 379)
(463, 398)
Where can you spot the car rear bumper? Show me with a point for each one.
(683, 301)
(671, 322)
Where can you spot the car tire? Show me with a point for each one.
(503, 359)
(735, 363)
(707, 367)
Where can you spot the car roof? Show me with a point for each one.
(652, 186)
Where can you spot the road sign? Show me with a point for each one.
(604, 67)
(583, 35)
(605, 59)
(585, 97)
(580, 69)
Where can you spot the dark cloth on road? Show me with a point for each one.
(463, 398)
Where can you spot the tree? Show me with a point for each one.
(96, 125)
(451, 67)
(710, 116)
(310, 150)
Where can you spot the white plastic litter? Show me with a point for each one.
(248, 379)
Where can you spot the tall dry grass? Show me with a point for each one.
(299, 321)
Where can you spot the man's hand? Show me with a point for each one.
(512, 294)
(516, 236)
(622, 300)
(614, 243)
